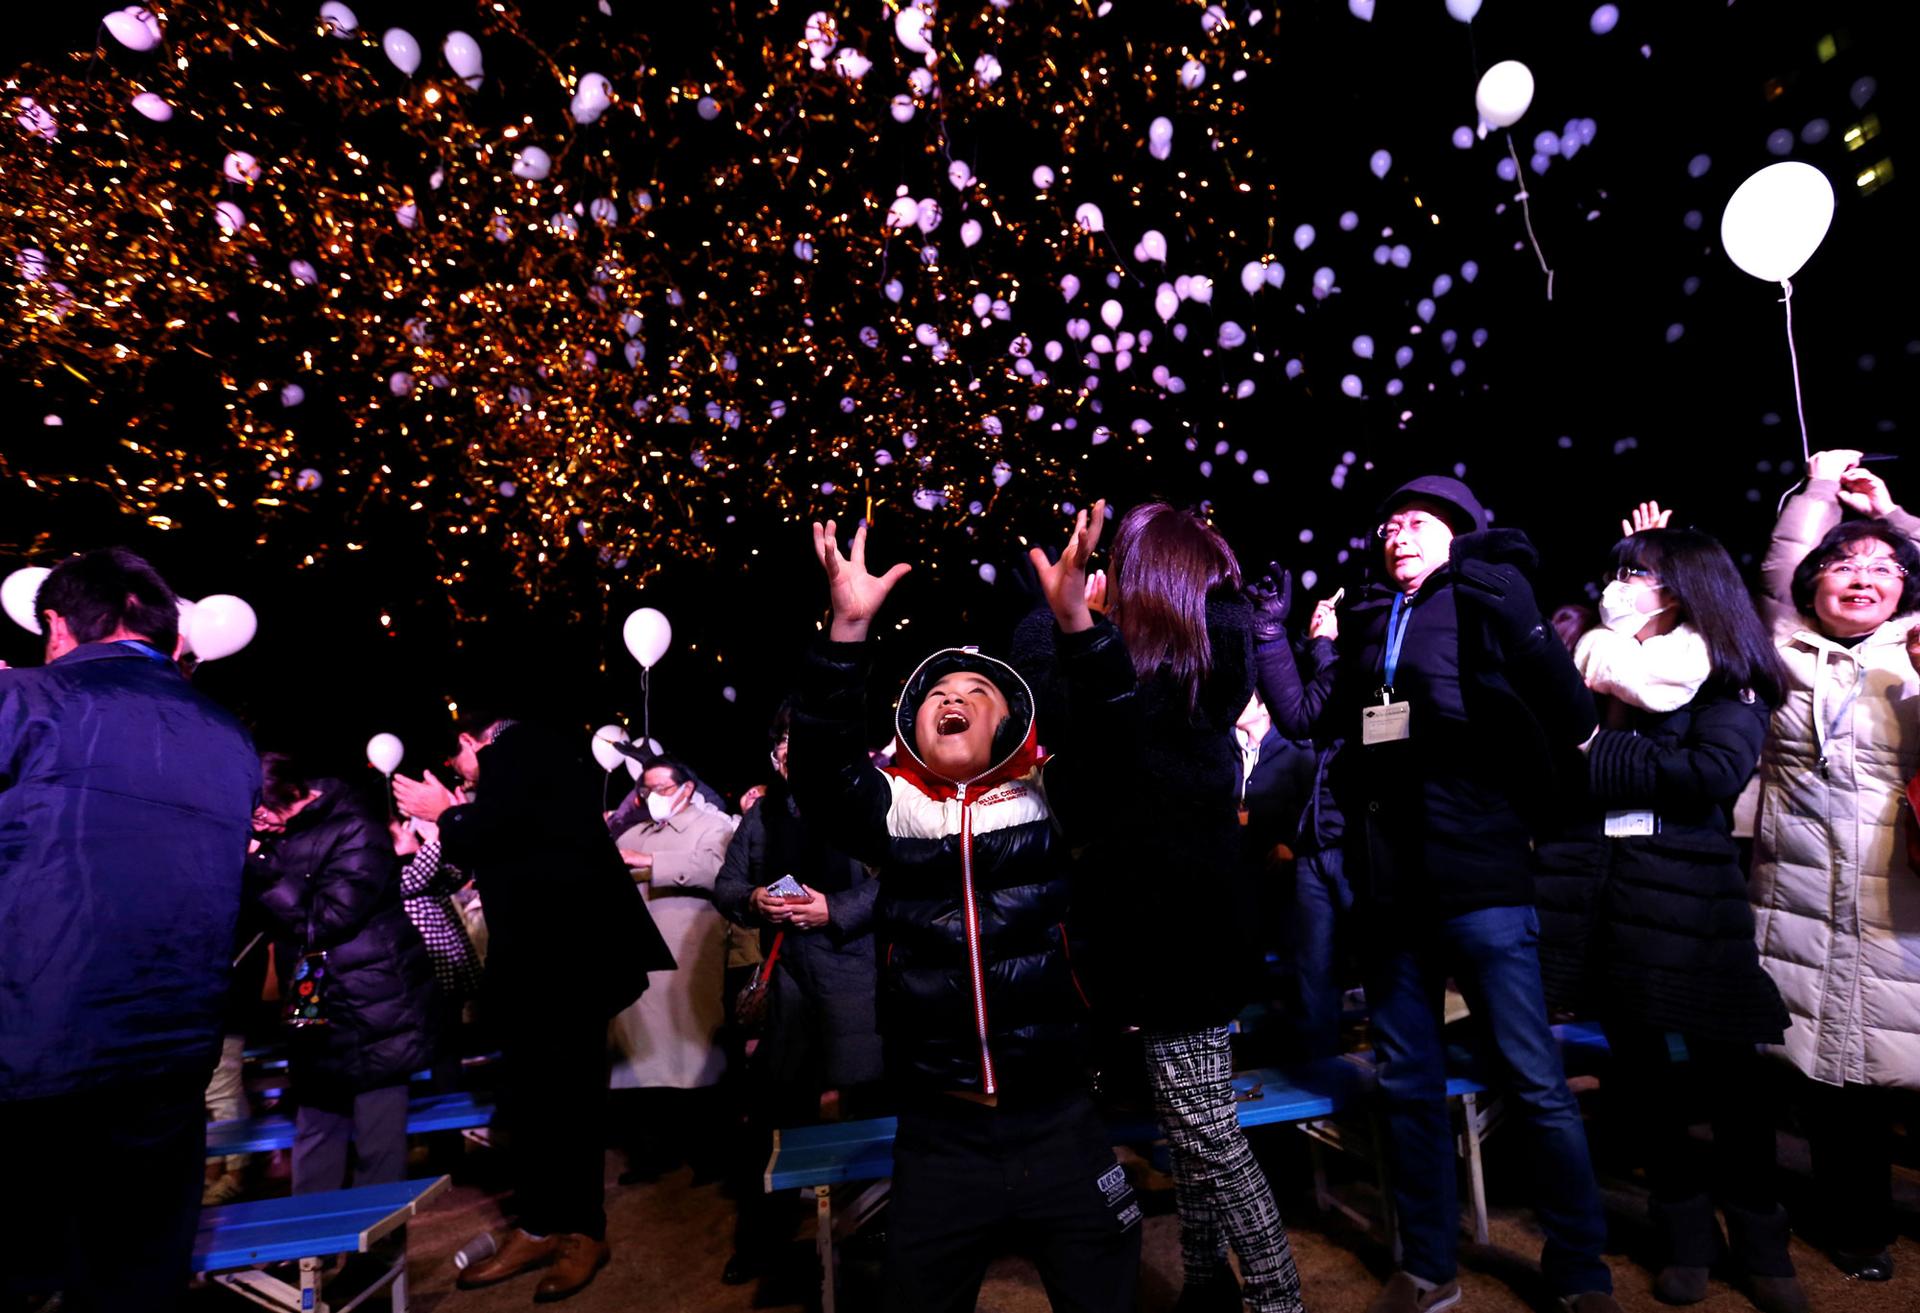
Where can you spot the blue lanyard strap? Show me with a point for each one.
(1397, 622)
(143, 649)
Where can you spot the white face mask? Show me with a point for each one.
(1621, 609)
(660, 806)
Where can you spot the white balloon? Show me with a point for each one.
(1042, 177)
(903, 213)
(18, 592)
(532, 163)
(463, 54)
(339, 20)
(1776, 220)
(1110, 313)
(241, 166)
(402, 49)
(1505, 91)
(1088, 216)
(153, 107)
(1154, 243)
(970, 232)
(605, 750)
(1303, 236)
(910, 25)
(222, 624)
(1166, 303)
(591, 98)
(648, 635)
(1200, 289)
(1069, 286)
(1363, 347)
(133, 27)
(1380, 162)
(229, 216)
(386, 752)
(1464, 10)
(1253, 276)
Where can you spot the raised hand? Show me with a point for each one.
(1647, 515)
(1865, 492)
(855, 594)
(1832, 464)
(1065, 582)
(1272, 599)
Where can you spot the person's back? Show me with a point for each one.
(125, 807)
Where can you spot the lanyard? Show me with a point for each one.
(143, 649)
(1397, 622)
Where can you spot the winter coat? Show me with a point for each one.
(332, 883)
(669, 1038)
(1837, 903)
(977, 987)
(831, 1023)
(126, 799)
(1656, 929)
(1177, 922)
(1439, 824)
(567, 930)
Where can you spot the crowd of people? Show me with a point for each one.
(1682, 809)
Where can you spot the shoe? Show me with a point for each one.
(1592, 1301)
(222, 1190)
(1402, 1294)
(1220, 1295)
(1691, 1243)
(580, 1259)
(742, 1267)
(1760, 1250)
(1864, 1267)
(518, 1252)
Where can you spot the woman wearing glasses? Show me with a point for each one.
(1837, 901)
(1643, 900)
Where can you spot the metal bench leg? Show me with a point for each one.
(1476, 1167)
(310, 1300)
(823, 1244)
(400, 1292)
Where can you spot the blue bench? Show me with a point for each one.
(433, 1112)
(235, 1239)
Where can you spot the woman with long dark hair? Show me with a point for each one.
(1835, 892)
(1177, 913)
(1643, 903)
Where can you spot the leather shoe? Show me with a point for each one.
(519, 1252)
(580, 1259)
(1877, 1266)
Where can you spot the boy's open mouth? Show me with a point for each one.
(952, 721)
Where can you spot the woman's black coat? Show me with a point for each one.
(333, 886)
(1657, 930)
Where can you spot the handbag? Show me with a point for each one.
(306, 1001)
(751, 1003)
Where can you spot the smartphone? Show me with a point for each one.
(789, 888)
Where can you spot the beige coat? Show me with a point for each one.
(1837, 907)
(669, 1038)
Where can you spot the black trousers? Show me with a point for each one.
(1850, 1131)
(553, 1102)
(1721, 1083)
(105, 1186)
(970, 1181)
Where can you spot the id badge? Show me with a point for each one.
(1386, 722)
(1631, 825)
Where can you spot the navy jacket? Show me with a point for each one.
(126, 801)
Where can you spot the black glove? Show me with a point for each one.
(1501, 594)
(1271, 597)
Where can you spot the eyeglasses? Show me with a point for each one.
(1637, 574)
(1413, 524)
(1877, 569)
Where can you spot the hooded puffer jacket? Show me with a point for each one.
(1836, 902)
(977, 986)
(333, 885)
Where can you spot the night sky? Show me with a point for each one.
(1634, 382)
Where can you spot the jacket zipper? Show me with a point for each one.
(973, 942)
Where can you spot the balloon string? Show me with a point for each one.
(1526, 214)
(1793, 354)
(646, 708)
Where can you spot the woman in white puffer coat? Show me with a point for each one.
(1836, 901)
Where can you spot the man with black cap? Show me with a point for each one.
(981, 1018)
(1458, 704)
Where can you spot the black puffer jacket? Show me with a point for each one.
(333, 885)
(977, 987)
(1657, 929)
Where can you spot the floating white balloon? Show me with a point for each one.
(1464, 10)
(1776, 220)
(1504, 93)
(910, 26)
(463, 56)
(17, 594)
(1303, 236)
(339, 20)
(152, 107)
(220, 626)
(605, 749)
(1379, 163)
(385, 752)
(1252, 276)
(402, 49)
(647, 635)
(591, 98)
(532, 163)
(1088, 216)
(133, 27)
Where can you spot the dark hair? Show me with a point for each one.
(1703, 581)
(283, 781)
(1165, 562)
(1834, 546)
(782, 723)
(673, 767)
(482, 725)
(111, 588)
